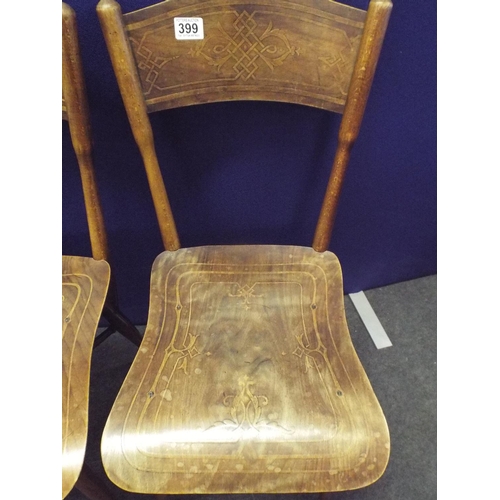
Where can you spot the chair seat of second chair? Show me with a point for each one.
(246, 380)
(85, 284)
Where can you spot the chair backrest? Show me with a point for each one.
(313, 52)
(75, 111)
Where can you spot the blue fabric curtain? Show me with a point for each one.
(247, 172)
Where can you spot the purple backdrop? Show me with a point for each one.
(255, 172)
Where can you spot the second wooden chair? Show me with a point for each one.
(87, 285)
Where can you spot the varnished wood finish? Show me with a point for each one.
(291, 51)
(319, 53)
(85, 280)
(75, 110)
(128, 80)
(84, 286)
(364, 70)
(246, 380)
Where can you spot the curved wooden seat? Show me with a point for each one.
(84, 287)
(246, 380)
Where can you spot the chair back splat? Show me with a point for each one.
(320, 54)
(246, 380)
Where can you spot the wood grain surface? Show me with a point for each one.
(76, 111)
(84, 286)
(111, 19)
(85, 281)
(319, 53)
(291, 51)
(246, 380)
(377, 20)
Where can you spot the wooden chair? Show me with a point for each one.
(246, 380)
(85, 280)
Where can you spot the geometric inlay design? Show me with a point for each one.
(340, 62)
(292, 51)
(149, 62)
(246, 47)
(246, 292)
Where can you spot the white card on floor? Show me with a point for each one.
(370, 320)
(188, 28)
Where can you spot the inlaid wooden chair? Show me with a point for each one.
(85, 281)
(246, 380)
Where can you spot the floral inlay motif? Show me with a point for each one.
(245, 409)
(246, 293)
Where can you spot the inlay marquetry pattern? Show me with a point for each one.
(247, 410)
(150, 64)
(274, 389)
(341, 62)
(246, 47)
(84, 286)
(265, 50)
(245, 292)
(246, 380)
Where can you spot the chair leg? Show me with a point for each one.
(92, 486)
(121, 324)
(104, 335)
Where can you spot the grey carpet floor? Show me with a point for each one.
(403, 377)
